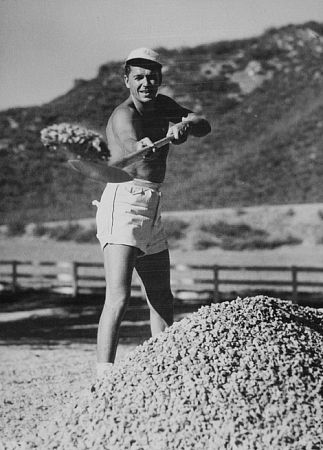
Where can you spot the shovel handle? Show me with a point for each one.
(134, 156)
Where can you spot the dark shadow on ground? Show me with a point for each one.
(34, 317)
(42, 317)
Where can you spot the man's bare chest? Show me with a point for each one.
(155, 127)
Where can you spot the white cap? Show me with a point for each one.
(144, 53)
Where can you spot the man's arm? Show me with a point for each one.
(185, 121)
(128, 133)
(191, 124)
(199, 126)
(127, 129)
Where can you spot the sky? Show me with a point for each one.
(46, 44)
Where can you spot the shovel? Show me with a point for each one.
(104, 173)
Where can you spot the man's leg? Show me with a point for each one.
(154, 271)
(119, 261)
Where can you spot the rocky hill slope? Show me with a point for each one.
(263, 97)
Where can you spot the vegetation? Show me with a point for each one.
(175, 230)
(40, 230)
(238, 237)
(236, 230)
(86, 236)
(69, 232)
(266, 144)
(16, 227)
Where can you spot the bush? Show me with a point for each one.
(16, 227)
(40, 230)
(175, 228)
(258, 243)
(204, 243)
(64, 233)
(69, 232)
(239, 237)
(86, 235)
(222, 229)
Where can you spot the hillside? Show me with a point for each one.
(263, 97)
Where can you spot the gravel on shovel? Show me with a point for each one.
(245, 374)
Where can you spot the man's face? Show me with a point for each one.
(143, 83)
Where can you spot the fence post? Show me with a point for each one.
(14, 276)
(294, 284)
(75, 278)
(216, 293)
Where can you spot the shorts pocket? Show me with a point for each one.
(134, 190)
(135, 196)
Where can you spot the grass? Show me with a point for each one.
(240, 236)
(203, 242)
(40, 230)
(175, 230)
(69, 232)
(86, 236)
(236, 236)
(258, 243)
(65, 233)
(16, 227)
(223, 229)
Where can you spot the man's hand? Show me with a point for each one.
(143, 143)
(146, 142)
(180, 131)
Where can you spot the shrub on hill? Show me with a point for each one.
(239, 236)
(16, 227)
(87, 235)
(69, 232)
(40, 230)
(175, 228)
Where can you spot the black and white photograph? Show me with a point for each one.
(161, 225)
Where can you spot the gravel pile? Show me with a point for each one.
(245, 374)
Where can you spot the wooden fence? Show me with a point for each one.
(204, 283)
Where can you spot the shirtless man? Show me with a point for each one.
(128, 217)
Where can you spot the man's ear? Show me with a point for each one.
(126, 80)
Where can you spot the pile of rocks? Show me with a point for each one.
(241, 374)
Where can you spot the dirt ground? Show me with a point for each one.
(38, 381)
(48, 362)
(48, 357)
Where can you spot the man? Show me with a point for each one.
(128, 217)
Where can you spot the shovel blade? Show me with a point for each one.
(99, 171)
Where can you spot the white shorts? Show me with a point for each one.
(129, 214)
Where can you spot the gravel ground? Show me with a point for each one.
(245, 374)
(38, 381)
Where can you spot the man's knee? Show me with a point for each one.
(116, 300)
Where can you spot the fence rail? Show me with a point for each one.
(193, 281)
